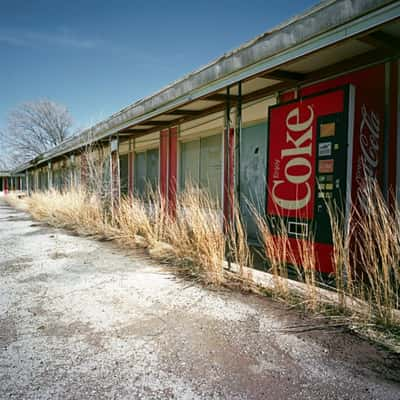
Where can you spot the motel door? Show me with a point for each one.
(310, 140)
(253, 164)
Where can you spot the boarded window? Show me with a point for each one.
(201, 165)
(146, 172)
(123, 173)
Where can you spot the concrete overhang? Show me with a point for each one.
(324, 26)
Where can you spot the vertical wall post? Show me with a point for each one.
(172, 170)
(27, 182)
(228, 166)
(168, 168)
(238, 144)
(130, 169)
(114, 170)
(49, 176)
(397, 66)
(228, 193)
(164, 158)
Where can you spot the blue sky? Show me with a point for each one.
(99, 56)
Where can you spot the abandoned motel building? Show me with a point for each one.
(298, 115)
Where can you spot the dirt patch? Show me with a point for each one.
(15, 265)
(8, 332)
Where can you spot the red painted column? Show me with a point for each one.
(229, 178)
(5, 180)
(164, 156)
(172, 170)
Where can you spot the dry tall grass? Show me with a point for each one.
(194, 238)
(366, 252)
(73, 209)
(366, 259)
(367, 255)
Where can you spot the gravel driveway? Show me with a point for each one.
(79, 319)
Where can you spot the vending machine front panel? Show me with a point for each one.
(308, 171)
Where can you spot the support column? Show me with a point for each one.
(5, 185)
(393, 129)
(238, 144)
(114, 170)
(37, 188)
(130, 168)
(398, 133)
(164, 157)
(229, 178)
(168, 168)
(49, 176)
(71, 171)
(172, 170)
(27, 182)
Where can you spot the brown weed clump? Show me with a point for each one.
(366, 259)
(192, 238)
(367, 255)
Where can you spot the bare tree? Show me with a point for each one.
(33, 128)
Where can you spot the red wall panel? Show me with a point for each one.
(229, 177)
(172, 170)
(164, 149)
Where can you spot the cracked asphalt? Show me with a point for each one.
(82, 319)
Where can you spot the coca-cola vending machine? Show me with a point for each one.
(315, 158)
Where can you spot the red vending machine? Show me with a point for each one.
(310, 156)
(321, 147)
